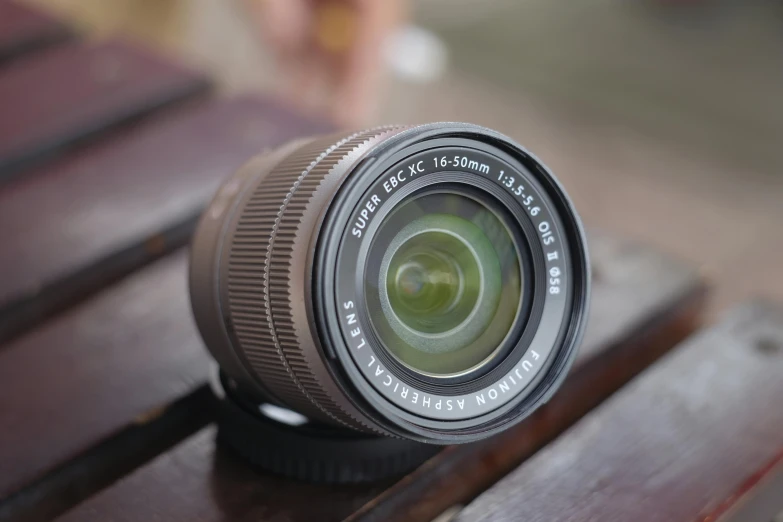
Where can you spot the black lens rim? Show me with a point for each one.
(324, 314)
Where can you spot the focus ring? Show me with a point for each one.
(259, 274)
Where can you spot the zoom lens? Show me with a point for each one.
(428, 282)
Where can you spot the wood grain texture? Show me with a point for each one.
(66, 94)
(682, 442)
(762, 500)
(191, 483)
(24, 30)
(75, 224)
(102, 367)
(113, 457)
(198, 481)
(89, 396)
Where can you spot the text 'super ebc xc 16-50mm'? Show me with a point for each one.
(426, 282)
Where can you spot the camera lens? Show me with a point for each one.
(426, 282)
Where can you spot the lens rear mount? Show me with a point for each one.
(288, 444)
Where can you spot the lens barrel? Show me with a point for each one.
(427, 282)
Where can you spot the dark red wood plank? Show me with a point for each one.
(66, 94)
(683, 442)
(23, 30)
(100, 368)
(205, 482)
(643, 302)
(97, 213)
(761, 501)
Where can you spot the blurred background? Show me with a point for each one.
(663, 118)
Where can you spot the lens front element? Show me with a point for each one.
(441, 282)
(434, 279)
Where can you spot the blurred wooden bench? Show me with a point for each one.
(103, 405)
(696, 437)
(24, 30)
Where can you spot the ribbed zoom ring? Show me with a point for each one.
(266, 276)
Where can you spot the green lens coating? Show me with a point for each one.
(433, 281)
(449, 285)
(441, 268)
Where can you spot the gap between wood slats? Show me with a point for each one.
(152, 434)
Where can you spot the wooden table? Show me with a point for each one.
(104, 410)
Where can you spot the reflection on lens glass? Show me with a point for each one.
(443, 278)
(448, 284)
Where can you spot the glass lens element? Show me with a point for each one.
(441, 268)
(449, 284)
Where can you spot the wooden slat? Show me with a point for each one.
(100, 368)
(643, 303)
(97, 213)
(69, 93)
(205, 482)
(23, 30)
(684, 442)
(761, 501)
